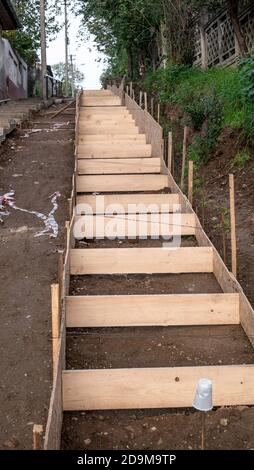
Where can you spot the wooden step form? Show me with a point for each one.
(120, 183)
(134, 226)
(151, 310)
(151, 387)
(104, 150)
(141, 261)
(111, 166)
(129, 203)
(166, 387)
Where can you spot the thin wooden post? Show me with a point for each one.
(60, 276)
(131, 87)
(133, 94)
(152, 106)
(55, 310)
(185, 137)
(233, 224)
(145, 95)
(170, 151)
(140, 98)
(159, 113)
(127, 89)
(224, 247)
(37, 434)
(190, 182)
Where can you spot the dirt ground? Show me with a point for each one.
(34, 165)
(226, 428)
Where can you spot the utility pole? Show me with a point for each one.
(66, 50)
(72, 76)
(43, 52)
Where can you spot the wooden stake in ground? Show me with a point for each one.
(37, 434)
(190, 182)
(127, 89)
(145, 95)
(224, 247)
(55, 310)
(131, 88)
(170, 151)
(185, 138)
(140, 98)
(152, 106)
(159, 113)
(233, 224)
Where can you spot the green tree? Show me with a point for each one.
(27, 39)
(59, 73)
(123, 28)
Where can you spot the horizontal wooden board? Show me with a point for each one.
(141, 260)
(118, 165)
(101, 101)
(151, 310)
(100, 150)
(97, 93)
(114, 183)
(105, 129)
(112, 139)
(128, 203)
(103, 109)
(110, 121)
(92, 117)
(134, 225)
(169, 387)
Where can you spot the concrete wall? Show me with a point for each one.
(13, 73)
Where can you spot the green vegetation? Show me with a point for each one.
(210, 99)
(241, 158)
(27, 39)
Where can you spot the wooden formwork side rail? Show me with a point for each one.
(52, 440)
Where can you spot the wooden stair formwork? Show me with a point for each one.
(98, 171)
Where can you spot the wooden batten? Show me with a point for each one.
(141, 260)
(132, 225)
(152, 310)
(120, 183)
(155, 388)
(130, 203)
(118, 166)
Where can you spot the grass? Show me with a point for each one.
(241, 158)
(210, 99)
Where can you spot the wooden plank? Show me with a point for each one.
(152, 310)
(129, 203)
(101, 150)
(101, 101)
(97, 93)
(92, 117)
(103, 109)
(121, 183)
(233, 225)
(132, 225)
(105, 129)
(117, 166)
(113, 138)
(168, 387)
(141, 260)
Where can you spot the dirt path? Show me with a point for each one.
(34, 165)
